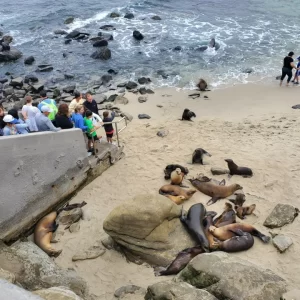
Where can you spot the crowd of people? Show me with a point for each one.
(81, 113)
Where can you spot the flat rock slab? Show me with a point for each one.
(90, 253)
(219, 171)
(57, 293)
(281, 215)
(282, 242)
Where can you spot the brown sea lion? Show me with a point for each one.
(202, 85)
(174, 190)
(43, 234)
(208, 221)
(177, 177)
(176, 199)
(187, 115)
(226, 232)
(236, 170)
(239, 199)
(227, 217)
(198, 156)
(215, 191)
(170, 168)
(242, 211)
(242, 241)
(68, 206)
(180, 262)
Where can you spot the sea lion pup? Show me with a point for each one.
(226, 232)
(198, 156)
(176, 199)
(170, 168)
(239, 199)
(227, 217)
(71, 206)
(177, 177)
(242, 211)
(180, 262)
(202, 85)
(194, 223)
(236, 170)
(207, 222)
(174, 190)
(187, 115)
(43, 234)
(213, 190)
(241, 242)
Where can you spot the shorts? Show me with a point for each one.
(90, 138)
(109, 135)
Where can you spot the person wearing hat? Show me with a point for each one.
(297, 74)
(42, 120)
(45, 100)
(12, 126)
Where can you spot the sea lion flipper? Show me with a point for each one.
(182, 215)
(223, 182)
(212, 200)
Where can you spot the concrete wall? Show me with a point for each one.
(37, 171)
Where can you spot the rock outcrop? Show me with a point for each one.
(148, 228)
(11, 55)
(57, 293)
(103, 53)
(228, 277)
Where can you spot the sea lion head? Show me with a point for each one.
(212, 228)
(227, 206)
(238, 187)
(228, 160)
(178, 171)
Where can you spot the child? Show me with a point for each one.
(91, 129)
(109, 130)
(297, 74)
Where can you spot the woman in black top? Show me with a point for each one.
(62, 119)
(288, 66)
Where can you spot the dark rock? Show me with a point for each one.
(127, 116)
(8, 91)
(82, 36)
(157, 18)
(142, 91)
(297, 106)
(3, 80)
(103, 53)
(281, 215)
(129, 16)
(106, 78)
(129, 289)
(7, 39)
(219, 171)
(163, 74)
(38, 87)
(73, 34)
(202, 48)
(17, 82)
(107, 27)
(102, 43)
(142, 99)
(122, 84)
(69, 89)
(65, 54)
(96, 39)
(100, 98)
(112, 98)
(60, 31)
(282, 242)
(56, 93)
(29, 60)
(114, 15)
(68, 41)
(13, 54)
(144, 80)
(69, 76)
(163, 133)
(144, 116)
(130, 85)
(69, 20)
(30, 78)
(137, 35)
(105, 36)
(44, 66)
(44, 69)
(149, 91)
(177, 48)
(248, 70)
(111, 71)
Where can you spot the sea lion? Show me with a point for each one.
(194, 223)
(174, 190)
(236, 170)
(226, 232)
(202, 85)
(43, 234)
(207, 222)
(242, 211)
(177, 199)
(180, 262)
(239, 199)
(198, 156)
(177, 177)
(170, 168)
(68, 206)
(242, 241)
(227, 217)
(187, 115)
(215, 191)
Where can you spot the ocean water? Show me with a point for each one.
(252, 34)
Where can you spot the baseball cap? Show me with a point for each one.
(9, 119)
(46, 108)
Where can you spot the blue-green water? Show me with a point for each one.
(252, 34)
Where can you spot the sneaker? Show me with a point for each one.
(296, 82)
(293, 81)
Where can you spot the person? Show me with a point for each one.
(14, 113)
(76, 101)
(91, 129)
(62, 118)
(12, 127)
(77, 118)
(288, 66)
(297, 74)
(48, 102)
(2, 123)
(29, 112)
(109, 130)
(42, 120)
(91, 104)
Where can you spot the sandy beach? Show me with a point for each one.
(252, 124)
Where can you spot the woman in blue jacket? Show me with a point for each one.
(77, 118)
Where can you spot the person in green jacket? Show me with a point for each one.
(91, 129)
(50, 103)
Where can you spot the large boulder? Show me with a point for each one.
(281, 215)
(229, 277)
(149, 229)
(11, 55)
(166, 290)
(17, 82)
(35, 270)
(29, 60)
(57, 293)
(137, 35)
(101, 43)
(103, 53)
(100, 98)
(73, 34)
